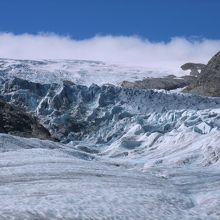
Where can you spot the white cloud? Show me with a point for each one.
(131, 51)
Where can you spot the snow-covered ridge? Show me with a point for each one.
(79, 71)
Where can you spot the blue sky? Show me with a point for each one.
(155, 34)
(157, 20)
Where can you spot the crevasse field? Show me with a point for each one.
(133, 155)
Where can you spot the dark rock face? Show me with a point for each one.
(208, 82)
(195, 68)
(16, 122)
(167, 83)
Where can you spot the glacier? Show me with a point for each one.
(119, 153)
(82, 72)
(47, 180)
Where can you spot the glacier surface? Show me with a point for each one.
(79, 71)
(122, 153)
(47, 180)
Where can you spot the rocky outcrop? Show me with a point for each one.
(195, 68)
(16, 122)
(166, 83)
(208, 82)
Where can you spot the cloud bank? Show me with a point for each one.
(129, 51)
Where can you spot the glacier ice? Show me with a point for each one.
(123, 154)
(79, 71)
(139, 126)
(47, 180)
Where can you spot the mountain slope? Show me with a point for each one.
(208, 81)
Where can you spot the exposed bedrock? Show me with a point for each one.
(208, 81)
(194, 68)
(15, 121)
(166, 83)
